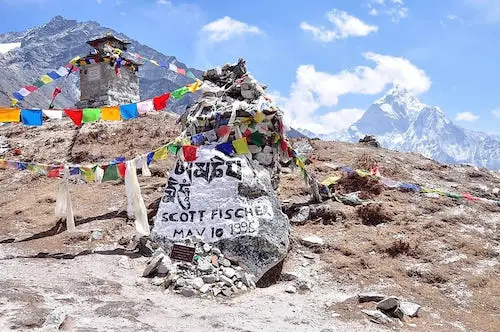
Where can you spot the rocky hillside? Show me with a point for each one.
(439, 252)
(46, 48)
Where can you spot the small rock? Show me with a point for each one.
(205, 266)
(152, 265)
(291, 289)
(54, 320)
(289, 276)
(204, 289)
(244, 288)
(157, 281)
(180, 282)
(377, 316)
(301, 216)
(248, 279)
(216, 291)
(409, 308)
(215, 261)
(188, 292)
(309, 255)
(96, 235)
(239, 284)
(165, 266)
(305, 285)
(197, 283)
(388, 304)
(216, 251)
(227, 292)
(368, 297)
(207, 247)
(124, 262)
(170, 280)
(146, 246)
(226, 280)
(226, 262)
(209, 279)
(228, 272)
(312, 241)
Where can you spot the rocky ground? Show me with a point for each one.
(440, 253)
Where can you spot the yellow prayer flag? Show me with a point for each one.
(330, 180)
(14, 101)
(10, 115)
(111, 113)
(74, 60)
(259, 117)
(46, 79)
(3, 164)
(240, 146)
(299, 163)
(276, 138)
(88, 173)
(154, 62)
(194, 87)
(107, 59)
(362, 173)
(161, 153)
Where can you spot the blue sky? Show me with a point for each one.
(325, 61)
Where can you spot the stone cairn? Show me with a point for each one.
(370, 140)
(233, 106)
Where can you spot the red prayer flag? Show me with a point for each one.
(469, 197)
(222, 131)
(160, 102)
(284, 146)
(76, 115)
(290, 152)
(247, 133)
(30, 88)
(122, 167)
(57, 91)
(54, 172)
(181, 71)
(189, 152)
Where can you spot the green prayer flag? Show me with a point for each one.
(39, 83)
(177, 94)
(256, 138)
(172, 148)
(91, 114)
(111, 173)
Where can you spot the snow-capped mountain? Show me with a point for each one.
(401, 122)
(25, 56)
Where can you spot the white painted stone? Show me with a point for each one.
(312, 240)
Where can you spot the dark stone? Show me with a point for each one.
(271, 277)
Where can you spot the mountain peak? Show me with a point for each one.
(402, 96)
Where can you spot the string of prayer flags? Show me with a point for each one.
(111, 113)
(240, 146)
(31, 117)
(189, 152)
(10, 115)
(91, 115)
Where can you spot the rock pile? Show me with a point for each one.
(370, 140)
(210, 275)
(387, 307)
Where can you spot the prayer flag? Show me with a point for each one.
(74, 170)
(111, 113)
(284, 145)
(194, 87)
(172, 67)
(150, 157)
(191, 75)
(53, 75)
(198, 139)
(161, 153)
(181, 71)
(226, 148)
(179, 93)
(57, 91)
(55, 171)
(173, 149)
(63, 71)
(330, 180)
(110, 173)
(241, 146)
(189, 152)
(38, 83)
(24, 92)
(256, 138)
(223, 131)
(211, 135)
(30, 88)
(88, 173)
(18, 96)
(10, 115)
(46, 79)
(91, 115)
(74, 60)
(145, 106)
(122, 168)
(299, 162)
(31, 117)
(259, 116)
(154, 62)
(129, 111)
(160, 102)
(53, 114)
(76, 115)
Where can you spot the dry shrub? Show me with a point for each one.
(366, 162)
(402, 247)
(437, 275)
(374, 214)
(353, 182)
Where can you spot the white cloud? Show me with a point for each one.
(226, 28)
(466, 116)
(345, 25)
(496, 112)
(163, 2)
(396, 9)
(314, 90)
(488, 9)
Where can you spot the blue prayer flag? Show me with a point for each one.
(226, 148)
(18, 96)
(150, 157)
(53, 75)
(129, 111)
(31, 117)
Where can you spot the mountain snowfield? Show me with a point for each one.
(402, 122)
